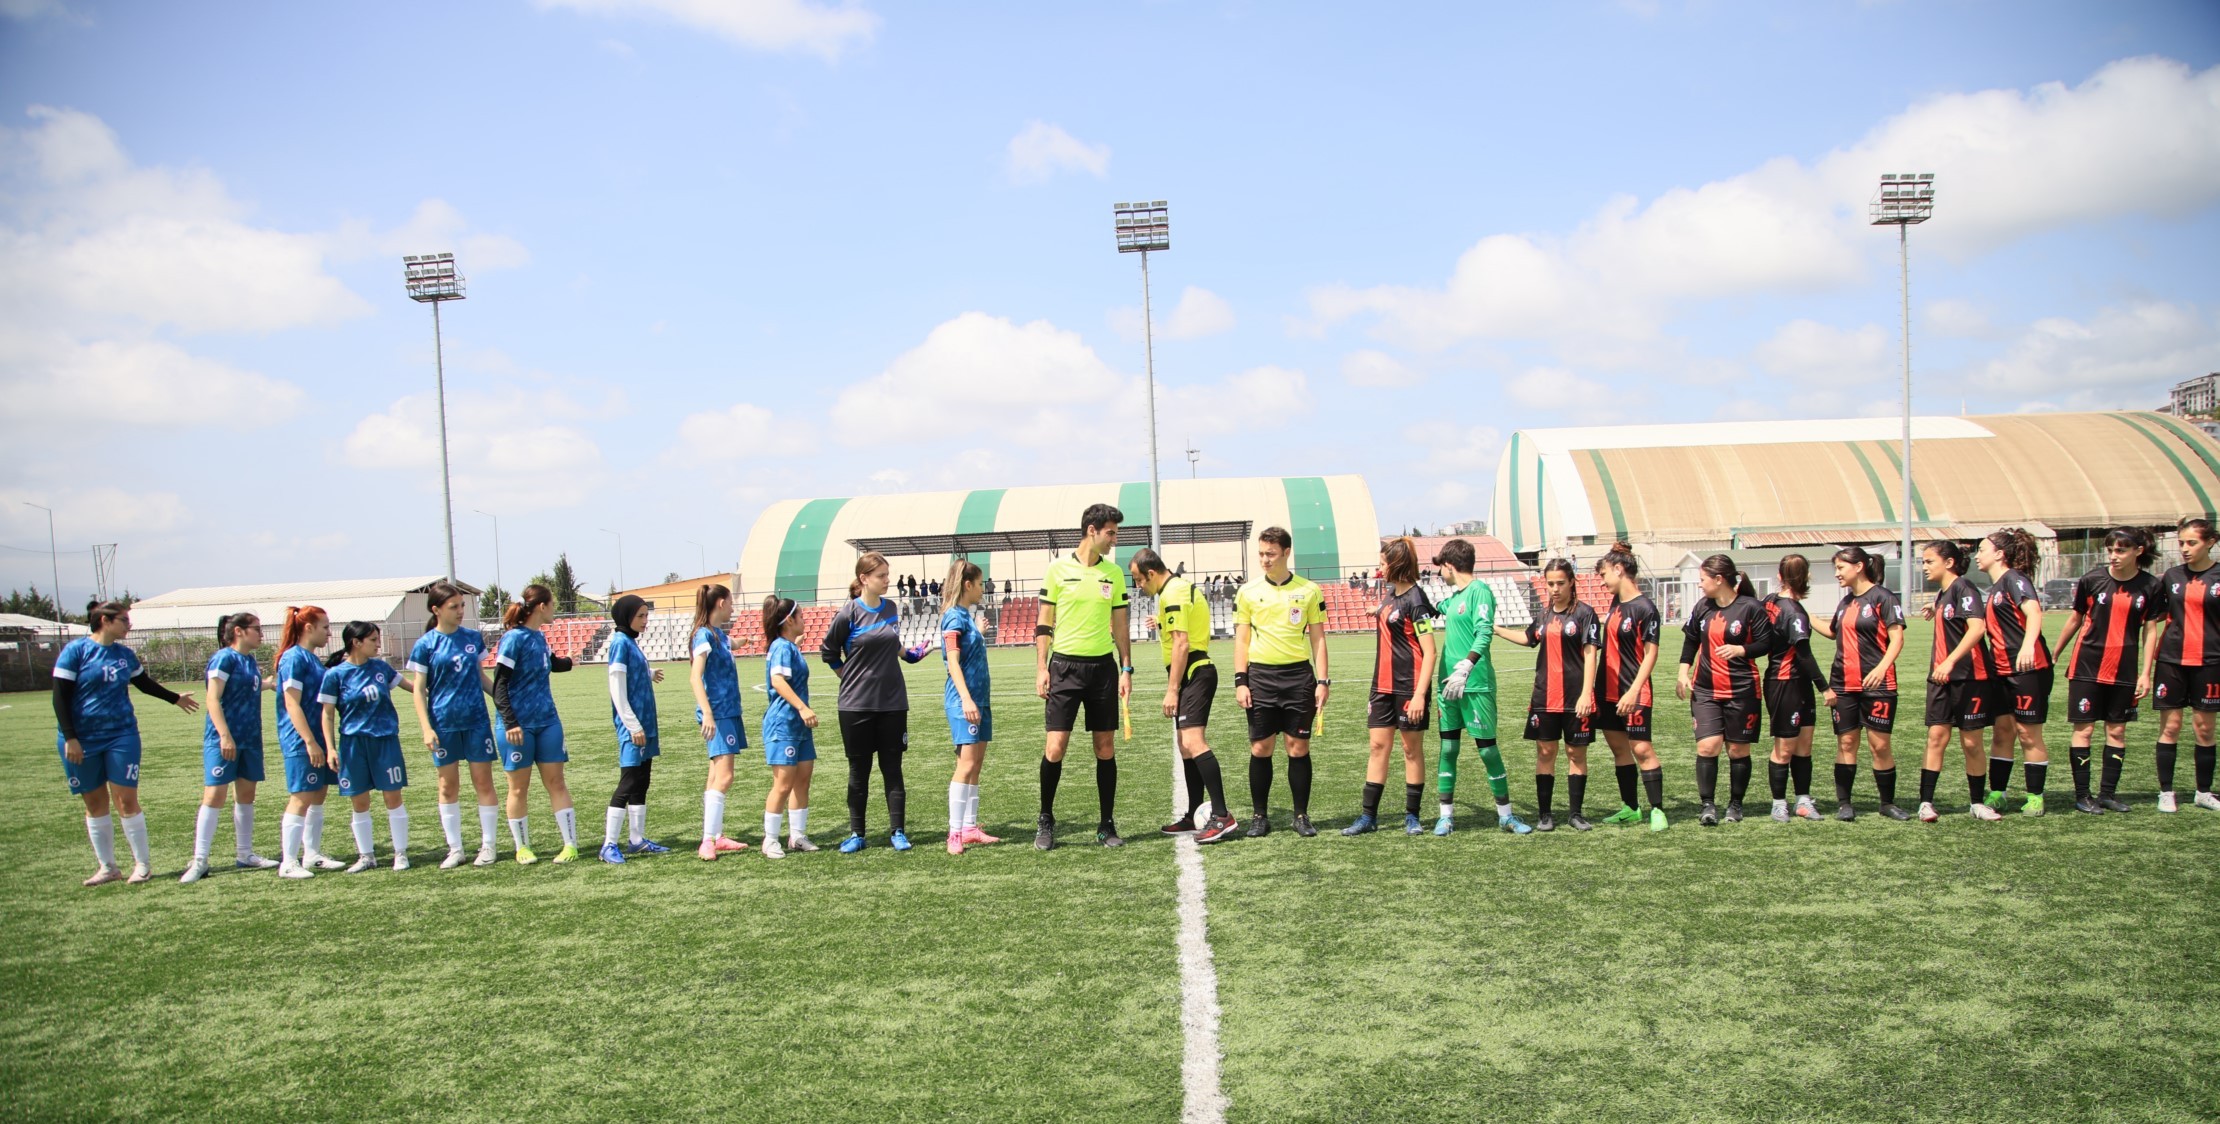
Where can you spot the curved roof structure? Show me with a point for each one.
(1718, 482)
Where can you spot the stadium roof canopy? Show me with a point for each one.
(1740, 483)
(364, 599)
(1050, 539)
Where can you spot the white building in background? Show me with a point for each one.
(398, 606)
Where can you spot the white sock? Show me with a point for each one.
(289, 838)
(801, 822)
(1445, 810)
(102, 829)
(636, 816)
(242, 827)
(955, 807)
(1780, 805)
(488, 815)
(712, 813)
(566, 821)
(1502, 809)
(450, 825)
(204, 831)
(134, 832)
(771, 822)
(361, 825)
(520, 829)
(397, 821)
(612, 827)
(312, 830)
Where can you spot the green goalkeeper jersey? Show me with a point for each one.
(1467, 621)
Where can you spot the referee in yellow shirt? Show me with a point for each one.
(1083, 617)
(1190, 686)
(1279, 674)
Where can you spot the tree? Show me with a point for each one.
(563, 583)
(492, 601)
(32, 604)
(670, 577)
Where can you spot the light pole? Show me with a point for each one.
(431, 279)
(620, 557)
(1904, 200)
(54, 558)
(1193, 454)
(1142, 227)
(704, 555)
(496, 549)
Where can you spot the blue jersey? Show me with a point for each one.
(364, 696)
(241, 697)
(103, 674)
(971, 656)
(720, 679)
(456, 693)
(784, 661)
(524, 653)
(300, 670)
(639, 685)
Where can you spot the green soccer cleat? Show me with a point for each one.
(1995, 799)
(525, 857)
(1625, 814)
(1657, 819)
(569, 853)
(2034, 805)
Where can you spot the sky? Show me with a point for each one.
(725, 253)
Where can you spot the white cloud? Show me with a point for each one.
(1199, 313)
(506, 449)
(1460, 460)
(1254, 399)
(54, 383)
(434, 227)
(1378, 368)
(2123, 357)
(1554, 388)
(762, 25)
(1820, 355)
(1041, 151)
(1956, 319)
(743, 432)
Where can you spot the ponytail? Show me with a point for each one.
(98, 613)
(963, 571)
(2018, 548)
(1722, 567)
(1796, 575)
(776, 610)
(1621, 555)
(706, 600)
(534, 596)
(355, 633)
(297, 620)
(1953, 556)
(868, 561)
(228, 626)
(436, 594)
(1868, 563)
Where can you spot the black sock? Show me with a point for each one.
(1846, 780)
(1928, 778)
(1545, 790)
(2115, 759)
(1411, 795)
(1653, 783)
(1052, 773)
(2204, 757)
(1190, 773)
(1707, 779)
(1372, 798)
(1629, 775)
(1799, 771)
(1977, 787)
(1260, 784)
(859, 789)
(897, 793)
(1213, 780)
(2164, 759)
(1776, 776)
(1106, 787)
(2036, 772)
(2077, 759)
(1298, 783)
(2000, 773)
(1738, 779)
(1884, 781)
(1576, 792)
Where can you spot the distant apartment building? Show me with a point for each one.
(2197, 397)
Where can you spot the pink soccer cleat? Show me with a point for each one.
(726, 843)
(707, 852)
(973, 835)
(955, 844)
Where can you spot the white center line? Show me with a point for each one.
(1198, 978)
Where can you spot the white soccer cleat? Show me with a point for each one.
(1927, 813)
(194, 872)
(401, 862)
(1986, 813)
(294, 870)
(2208, 801)
(800, 843)
(104, 875)
(362, 863)
(322, 861)
(252, 861)
(2166, 802)
(454, 859)
(485, 856)
(140, 872)
(771, 848)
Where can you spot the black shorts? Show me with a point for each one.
(2110, 703)
(1635, 726)
(2026, 695)
(1734, 720)
(1196, 693)
(1387, 713)
(866, 732)
(1082, 681)
(1793, 706)
(1864, 710)
(2176, 687)
(1560, 726)
(1283, 698)
(1964, 704)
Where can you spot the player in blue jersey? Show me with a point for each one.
(97, 734)
(789, 744)
(310, 767)
(716, 684)
(448, 663)
(359, 719)
(532, 733)
(968, 700)
(632, 711)
(231, 744)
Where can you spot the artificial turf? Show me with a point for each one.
(2063, 967)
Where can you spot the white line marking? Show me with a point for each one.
(1198, 977)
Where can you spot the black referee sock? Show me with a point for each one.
(1191, 774)
(2115, 759)
(1707, 779)
(1576, 792)
(1884, 781)
(1052, 774)
(2204, 758)
(2000, 773)
(1213, 781)
(2077, 759)
(1411, 793)
(1846, 781)
(2037, 771)
(2164, 759)
(1298, 783)
(1738, 779)
(1372, 798)
(1928, 778)
(1629, 775)
(1776, 775)
(1799, 770)
(1106, 787)
(1260, 783)
(1977, 787)
(1545, 790)
(1653, 783)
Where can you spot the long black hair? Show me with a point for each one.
(1953, 556)
(2129, 536)
(355, 633)
(1722, 567)
(1867, 562)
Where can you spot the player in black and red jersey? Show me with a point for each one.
(2188, 668)
(1626, 654)
(1792, 685)
(2019, 664)
(2109, 659)
(1563, 707)
(1719, 677)
(1868, 631)
(1402, 677)
(1958, 694)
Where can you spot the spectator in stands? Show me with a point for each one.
(986, 586)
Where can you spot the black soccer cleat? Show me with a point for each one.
(1302, 825)
(1895, 813)
(1845, 812)
(1578, 822)
(1260, 825)
(2089, 805)
(1044, 839)
(2112, 803)
(1734, 811)
(1709, 817)
(1106, 833)
(1545, 822)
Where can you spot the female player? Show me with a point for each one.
(356, 696)
(451, 686)
(310, 764)
(1868, 631)
(231, 743)
(716, 683)
(1467, 691)
(1402, 674)
(1563, 705)
(2109, 668)
(1958, 694)
(968, 699)
(97, 734)
(632, 711)
(531, 731)
(1719, 678)
(1793, 681)
(2187, 673)
(861, 647)
(789, 744)
(1627, 650)
(2019, 662)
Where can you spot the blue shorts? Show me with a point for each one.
(629, 754)
(542, 746)
(300, 776)
(789, 745)
(964, 733)
(731, 739)
(109, 759)
(466, 743)
(246, 766)
(371, 763)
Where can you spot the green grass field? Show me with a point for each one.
(2061, 968)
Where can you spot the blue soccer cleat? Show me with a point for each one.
(1442, 826)
(1363, 825)
(648, 847)
(1411, 826)
(901, 841)
(611, 853)
(852, 844)
(1514, 825)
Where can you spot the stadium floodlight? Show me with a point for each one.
(497, 554)
(431, 279)
(1193, 454)
(620, 557)
(1142, 227)
(1904, 200)
(54, 558)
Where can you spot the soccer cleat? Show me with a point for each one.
(1578, 822)
(525, 857)
(611, 853)
(139, 873)
(1363, 825)
(2208, 801)
(1845, 812)
(1217, 829)
(647, 847)
(1627, 813)
(252, 861)
(2112, 803)
(1891, 811)
(727, 844)
(454, 859)
(1545, 822)
(1927, 812)
(294, 870)
(1995, 799)
(955, 842)
(321, 861)
(104, 875)
(2034, 805)
(1442, 826)
(1806, 810)
(1657, 819)
(1734, 812)
(1780, 811)
(1986, 813)
(799, 843)
(568, 854)
(1106, 833)
(900, 840)
(1044, 835)
(853, 843)
(1709, 816)
(486, 857)
(1260, 825)
(771, 848)
(975, 837)
(1302, 825)
(2088, 805)
(2166, 802)
(400, 861)
(362, 863)
(194, 871)
(1185, 825)
(707, 852)
(1512, 825)
(1411, 825)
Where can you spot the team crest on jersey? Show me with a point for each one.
(1394, 615)
(1865, 612)
(1625, 625)
(1734, 628)
(1571, 628)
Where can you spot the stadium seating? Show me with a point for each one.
(1588, 588)
(1014, 624)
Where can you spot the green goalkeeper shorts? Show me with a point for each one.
(1474, 714)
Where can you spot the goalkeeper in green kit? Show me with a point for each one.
(1467, 689)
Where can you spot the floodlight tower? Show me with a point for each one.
(431, 279)
(1904, 200)
(1142, 227)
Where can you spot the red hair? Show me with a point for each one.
(297, 620)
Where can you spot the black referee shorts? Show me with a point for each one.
(1078, 683)
(1196, 693)
(1283, 699)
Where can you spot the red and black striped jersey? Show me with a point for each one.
(2115, 612)
(1629, 632)
(2008, 624)
(1395, 664)
(1862, 626)
(1954, 606)
(2192, 636)
(1791, 650)
(1740, 623)
(1561, 640)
